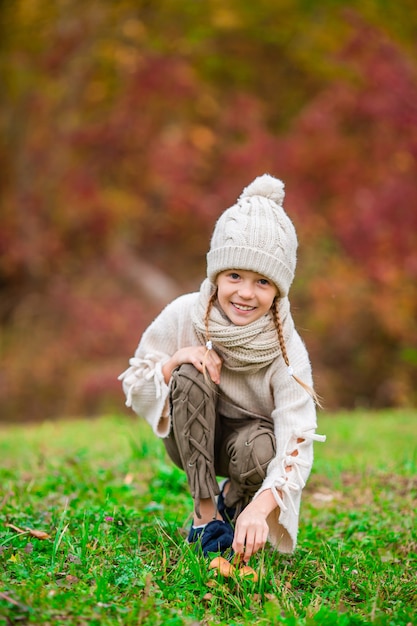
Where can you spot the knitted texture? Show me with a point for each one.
(257, 235)
(243, 348)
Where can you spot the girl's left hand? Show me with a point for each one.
(251, 532)
(251, 529)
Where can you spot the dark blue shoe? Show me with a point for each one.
(216, 536)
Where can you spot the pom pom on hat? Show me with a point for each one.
(266, 186)
(257, 235)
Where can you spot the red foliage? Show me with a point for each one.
(121, 162)
(351, 164)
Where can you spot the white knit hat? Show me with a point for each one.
(257, 235)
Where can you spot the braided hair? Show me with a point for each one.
(280, 331)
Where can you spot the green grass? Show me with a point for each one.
(117, 511)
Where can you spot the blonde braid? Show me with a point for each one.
(210, 304)
(280, 331)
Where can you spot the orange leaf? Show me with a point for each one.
(39, 534)
(208, 596)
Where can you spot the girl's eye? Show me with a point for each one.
(234, 275)
(264, 281)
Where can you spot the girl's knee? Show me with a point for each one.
(189, 383)
(263, 448)
(251, 455)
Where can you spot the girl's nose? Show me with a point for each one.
(245, 290)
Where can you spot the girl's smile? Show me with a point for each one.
(244, 296)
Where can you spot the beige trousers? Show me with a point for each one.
(210, 438)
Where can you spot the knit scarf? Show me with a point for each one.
(243, 348)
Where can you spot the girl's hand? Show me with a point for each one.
(198, 356)
(251, 529)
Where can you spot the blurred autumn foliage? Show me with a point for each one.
(127, 127)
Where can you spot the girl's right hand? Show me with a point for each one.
(198, 356)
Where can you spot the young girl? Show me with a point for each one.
(224, 379)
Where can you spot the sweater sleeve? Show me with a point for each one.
(143, 382)
(295, 431)
(146, 391)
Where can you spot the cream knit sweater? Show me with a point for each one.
(268, 390)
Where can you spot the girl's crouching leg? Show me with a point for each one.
(191, 443)
(250, 452)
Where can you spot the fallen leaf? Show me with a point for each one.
(71, 579)
(39, 534)
(208, 596)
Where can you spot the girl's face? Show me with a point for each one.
(244, 296)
